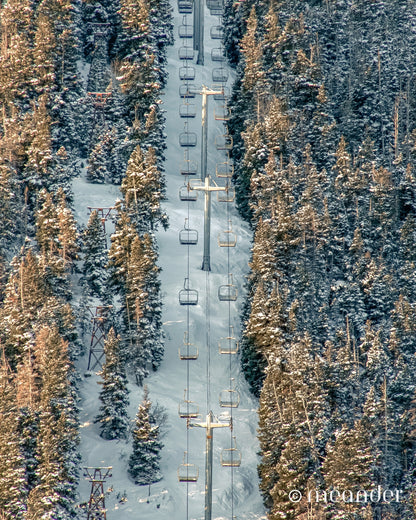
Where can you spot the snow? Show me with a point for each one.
(168, 497)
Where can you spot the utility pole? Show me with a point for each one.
(206, 262)
(209, 425)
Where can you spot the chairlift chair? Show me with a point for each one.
(227, 238)
(187, 472)
(223, 142)
(228, 345)
(187, 409)
(231, 457)
(229, 398)
(188, 296)
(185, 31)
(187, 139)
(186, 53)
(226, 196)
(188, 167)
(216, 32)
(187, 110)
(222, 113)
(214, 4)
(186, 194)
(188, 351)
(224, 170)
(186, 73)
(228, 292)
(220, 75)
(187, 90)
(217, 54)
(185, 6)
(188, 236)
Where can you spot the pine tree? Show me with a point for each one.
(13, 486)
(97, 164)
(112, 414)
(95, 256)
(144, 462)
(143, 190)
(143, 331)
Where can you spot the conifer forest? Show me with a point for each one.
(115, 344)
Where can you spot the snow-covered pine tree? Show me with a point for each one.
(97, 164)
(143, 189)
(13, 485)
(16, 68)
(144, 462)
(112, 414)
(143, 327)
(95, 257)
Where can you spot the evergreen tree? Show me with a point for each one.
(112, 414)
(97, 164)
(13, 486)
(95, 256)
(143, 189)
(143, 326)
(144, 462)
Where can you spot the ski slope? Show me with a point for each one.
(169, 499)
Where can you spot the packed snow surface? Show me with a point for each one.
(209, 374)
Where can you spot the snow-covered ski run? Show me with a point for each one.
(170, 499)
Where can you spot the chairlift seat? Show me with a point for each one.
(223, 142)
(224, 170)
(185, 6)
(212, 4)
(187, 195)
(217, 54)
(187, 91)
(216, 32)
(186, 73)
(227, 239)
(188, 296)
(228, 345)
(188, 352)
(227, 293)
(229, 398)
(185, 31)
(187, 110)
(186, 53)
(188, 410)
(231, 457)
(188, 237)
(226, 196)
(222, 113)
(189, 167)
(187, 139)
(188, 473)
(220, 75)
